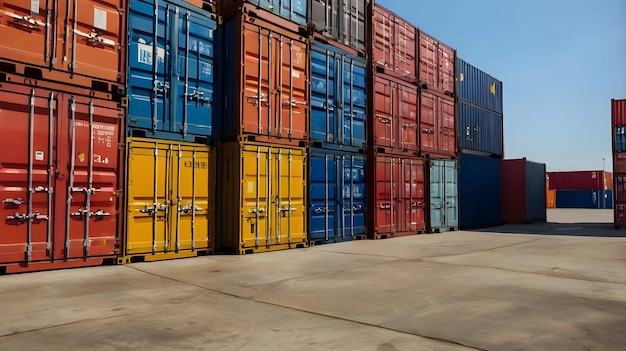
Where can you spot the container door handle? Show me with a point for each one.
(19, 217)
(27, 22)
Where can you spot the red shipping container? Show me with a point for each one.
(268, 67)
(59, 183)
(394, 45)
(396, 187)
(618, 112)
(619, 189)
(396, 115)
(579, 180)
(80, 42)
(523, 191)
(436, 65)
(437, 125)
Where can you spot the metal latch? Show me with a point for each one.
(428, 130)
(27, 22)
(385, 206)
(384, 119)
(293, 103)
(15, 202)
(189, 208)
(287, 209)
(160, 87)
(256, 100)
(84, 190)
(94, 39)
(24, 217)
(256, 210)
(198, 96)
(153, 209)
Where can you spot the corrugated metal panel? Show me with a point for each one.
(59, 180)
(263, 198)
(443, 196)
(170, 200)
(535, 192)
(341, 20)
(480, 130)
(580, 180)
(478, 88)
(171, 90)
(291, 10)
(523, 191)
(479, 192)
(436, 65)
(599, 199)
(437, 125)
(551, 199)
(338, 96)
(336, 196)
(618, 112)
(394, 44)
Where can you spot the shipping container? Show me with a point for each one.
(338, 98)
(396, 193)
(208, 5)
(436, 65)
(478, 88)
(171, 90)
(59, 182)
(288, 14)
(396, 116)
(437, 125)
(480, 131)
(443, 196)
(619, 139)
(581, 180)
(80, 43)
(262, 198)
(170, 200)
(550, 198)
(619, 188)
(618, 112)
(479, 192)
(523, 191)
(337, 209)
(265, 84)
(394, 45)
(344, 21)
(598, 198)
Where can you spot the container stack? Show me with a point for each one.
(581, 189)
(170, 160)
(618, 123)
(480, 126)
(61, 127)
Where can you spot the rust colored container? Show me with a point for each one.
(618, 112)
(523, 191)
(396, 190)
(437, 125)
(396, 116)
(394, 44)
(79, 42)
(64, 148)
(436, 65)
(550, 198)
(265, 82)
(580, 180)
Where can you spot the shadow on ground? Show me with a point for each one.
(565, 229)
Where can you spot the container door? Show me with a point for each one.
(411, 210)
(451, 193)
(407, 113)
(445, 125)
(384, 92)
(288, 183)
(149, 197)
(437, 195)
(383, 30)
(428, 56)
(428, 120)
(193, 74)
(405, 50)
(255, 207)
(191, 202)
(354, 102)
(353, 197)
(149, 65)
(24, 35)
(91, 220)
(353, 22)
(323, 96)
(386, 195)
(290, 85)
(28, 138)
(323, 196)
(446, 69)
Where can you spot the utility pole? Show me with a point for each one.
(603, 185)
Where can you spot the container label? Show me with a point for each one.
(34, 7)
(39, 155)
(145, 54)
(295, 74)
(99, 19)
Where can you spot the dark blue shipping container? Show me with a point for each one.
(338, 97)
(478, 87)
(480, 130)
(479, 192)
(535, 191)
(584, 199)
(336, 196)
(170, 84)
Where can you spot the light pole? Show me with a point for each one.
(603, 185)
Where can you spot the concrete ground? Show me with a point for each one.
(558, 287)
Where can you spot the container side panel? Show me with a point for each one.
(535, 191)
(618, 112)
(584, 199)
(514, 191)
(480, 130)
(479, 192)
(429, 110)
(579, 180)
(478, 88)
(447, 139)
(322, 196)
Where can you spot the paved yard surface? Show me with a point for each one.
(553, 286)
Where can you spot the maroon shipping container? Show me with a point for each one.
(437, 125)
(396, 190)
(580, 180)
(618, 112)
(619, 189)
(59, 183)
(394, 44)
(523, 191)
(396, 115)
(436, 65)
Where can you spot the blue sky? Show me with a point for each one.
(561, 62)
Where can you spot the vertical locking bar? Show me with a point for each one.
(270, 87)
(74, 29)
(70, 186)
(411, 165)
(174, 70)
(193, 201)
(155, 81)
(50, 174)
(167, 225)
(343, 200)
(326, 104)
(279, 207)
(31, 147)
(179, 199)
(400, 117)
(290, 133)
(55, 24)
(268, 198)
(352, 113)
(326, 205)
(155, 172)
(90, 158)
(260, 87)
(393, 122)
(289, 182)
(258, 195)
(47, 35)
(66, 27)
(352, 168)
(280, 87)
(393, 214)
(186, 96)
(340, 122)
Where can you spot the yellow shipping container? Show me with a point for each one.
(170, 198)
(262, 197)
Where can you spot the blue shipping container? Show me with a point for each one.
(584, 199)
(480, 130)
(293, 10)
(480, 203)
(338, 97)
(170, 84)
(336, 196)
(478, 87)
